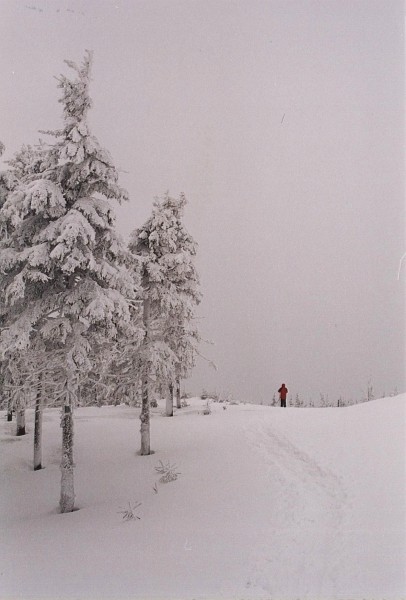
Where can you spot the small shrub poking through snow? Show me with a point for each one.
(129, 513)
(168, 472)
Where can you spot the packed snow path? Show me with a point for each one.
(270, 503)
(307, 520)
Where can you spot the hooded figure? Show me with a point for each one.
(283, 392)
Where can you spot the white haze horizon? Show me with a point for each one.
(283, 124)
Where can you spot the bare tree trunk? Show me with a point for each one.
(38, 427)
(177, 386)
(169, 401)
(67, 500)
(145, 410)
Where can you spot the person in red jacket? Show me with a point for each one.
(283, 392)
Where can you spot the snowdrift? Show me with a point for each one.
(269, 503)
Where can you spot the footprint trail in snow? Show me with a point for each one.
(307, 520)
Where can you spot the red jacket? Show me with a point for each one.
(283, 391)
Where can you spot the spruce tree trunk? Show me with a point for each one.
(169, 401)
(9, 406)
(19, 403)
(177, 384)
(67, 500)
(145, 410)
(153, 402)
(20, 415)
(145, 419)
(38, 428)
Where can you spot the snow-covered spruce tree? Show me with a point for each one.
(65, 278)
(114, 375)
(25, 165)
(170, 284)
(8, 182)
(180, 295)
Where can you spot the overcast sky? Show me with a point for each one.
(283, 123)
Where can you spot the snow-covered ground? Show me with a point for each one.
(270, 503)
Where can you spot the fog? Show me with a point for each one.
(283, 123)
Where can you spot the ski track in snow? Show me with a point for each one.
(312, 501)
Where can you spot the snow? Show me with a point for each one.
(269, 503)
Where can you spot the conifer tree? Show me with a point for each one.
(8, 182)
(23, 167)
(6, 185)
(65, 279)
(170, 284)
